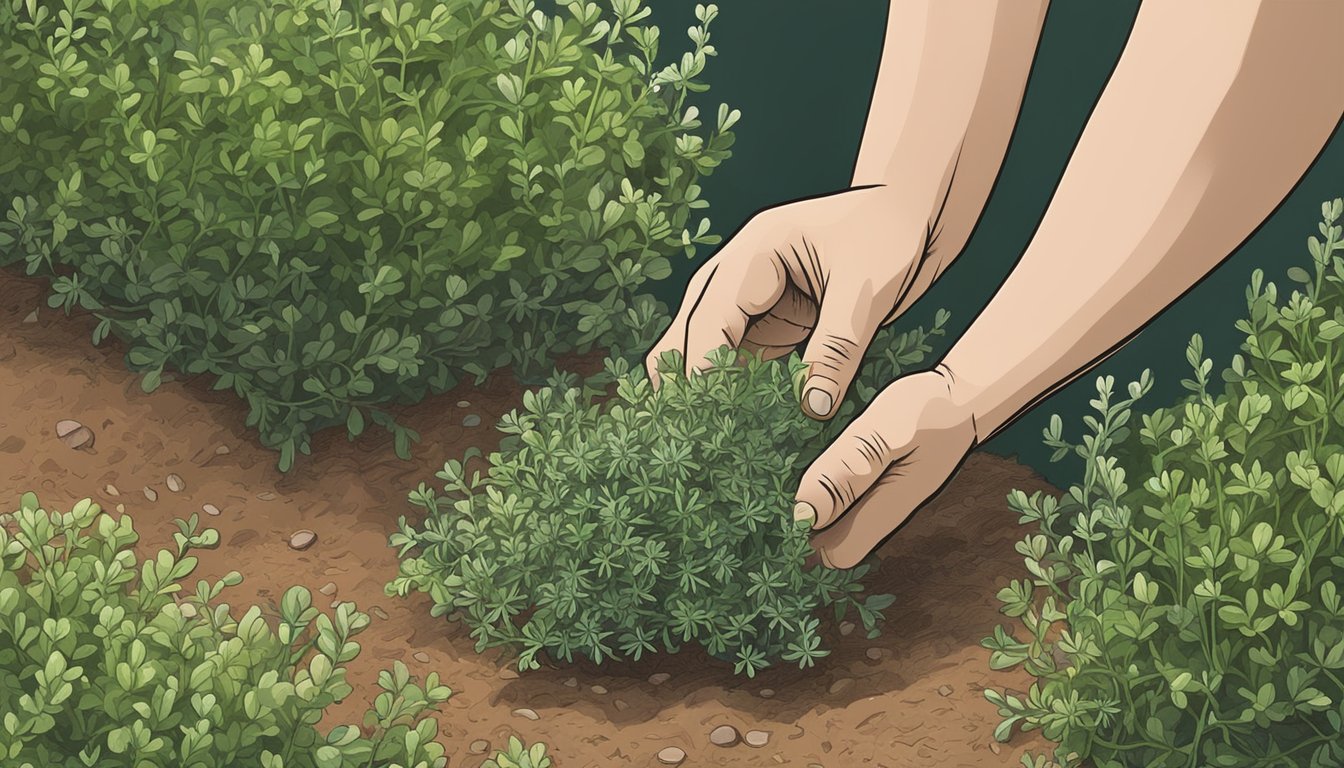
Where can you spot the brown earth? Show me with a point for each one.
(918, 703)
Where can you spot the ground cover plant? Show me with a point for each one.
(328, 206)
(106, 661)
(613, 528)
(1183, 606)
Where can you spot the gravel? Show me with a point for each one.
(724, 736)
(530, 714)
(301, 540)
(757, 738)
(671, 755)
(175, 483)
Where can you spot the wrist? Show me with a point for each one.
(964, 399)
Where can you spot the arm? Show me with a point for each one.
(1225, 132)
(1213, 113)
(831, 270)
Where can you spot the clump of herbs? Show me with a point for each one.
(612, 528)
(328, 206)
(1183, 606)
(106, 661)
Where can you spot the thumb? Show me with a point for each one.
(846, 324)
(848, 468)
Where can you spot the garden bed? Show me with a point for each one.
(912, 695)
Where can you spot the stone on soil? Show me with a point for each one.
(421, 657)
(221, 450)
(671, 755)
(75, 435)
(599, 690)
(944, 690)
(767, 693)
(265, 495)
(30, 318)
(471, 420)
(328, 589)
(379, 612)
(151, 494)
(846, 627)
(530, 714)
(841, 684)
(210, 509)
(757, 738)
(571, 683)
(301, 540)
(175, 483)
(723, 736)
(479, 747)
(463, 404)
(508, 674)
(874, 653)
(658, 678)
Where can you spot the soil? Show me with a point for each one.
(919, 702)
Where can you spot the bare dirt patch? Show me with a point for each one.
(909, 697)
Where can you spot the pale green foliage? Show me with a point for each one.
(101, 666)
(328, 206)
(519, 755)
(1183, 602)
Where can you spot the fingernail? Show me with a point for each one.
(804, 512)
(819, 401)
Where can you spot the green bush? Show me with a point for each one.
(610, 530)
(101, 666)
(328, 206)
(1183, 606)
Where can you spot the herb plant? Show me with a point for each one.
(105, 661)
(327, 206)
(616, 528)
(1183, 606)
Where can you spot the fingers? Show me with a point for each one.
(884, 508)
(674, 337)
(848, 320)
(742, 287)
(844, 472)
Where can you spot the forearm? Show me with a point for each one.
(1213, 114)
(947, 96)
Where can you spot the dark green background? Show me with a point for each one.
(802, 71)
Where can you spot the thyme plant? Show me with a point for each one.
(328, 206)
(1182, 605)
(616, 527)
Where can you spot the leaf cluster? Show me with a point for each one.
(327, 206)
(107, 661)
(613, 527)
(1183, 602)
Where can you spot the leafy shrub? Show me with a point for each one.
(519, 755)
(1184, 603)
(327, 206)
(99, 665)
(612, 530)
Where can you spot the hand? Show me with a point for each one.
(887, 463)
(828, 270)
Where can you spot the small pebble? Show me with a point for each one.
(621, 706)
(121, 509)
(757, 738)
(175, 483)
(151, 494)
(671, 755)
(846, 627)
(815, 765)
(841, 684)
(599, 690)
(379, 612)
(508, 674)
(767, 693)
(463, 404)
(421, 657)
(30, 318)
(479, 747)
(944, 690)
(530, 714)
(210, 509)
(994, 747)
(778, 758)
(471, 420)
(328, 589)
(302, 540)
(221, 450)
(335, 604)
(658, 678)
(265, 495)
(874, 653)
(723, 736)
(111, 490)
(75, 435)
(571, 683)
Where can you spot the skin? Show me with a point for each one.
(1214, 112)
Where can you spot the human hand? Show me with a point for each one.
(828, 270)
(887, 463)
